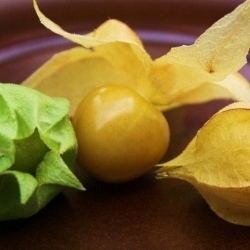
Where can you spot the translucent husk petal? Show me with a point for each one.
(110, 31)
(176, 85)
(207, 69)
(221, 49)
(187, 74)
(73, 73)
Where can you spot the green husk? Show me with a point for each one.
(37, 150)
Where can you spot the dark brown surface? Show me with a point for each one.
(143, 214)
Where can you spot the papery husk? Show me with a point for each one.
(221, 49)
(114, 54)
(217, 163)
(230, 204)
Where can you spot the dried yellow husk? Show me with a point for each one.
(221, 49)
(231, 204)
(217, 163)
(114, 54)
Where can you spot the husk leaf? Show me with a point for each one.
(114, 54)
(35, 128)
(221, 49)
(217, 161)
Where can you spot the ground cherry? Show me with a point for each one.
(120, 134)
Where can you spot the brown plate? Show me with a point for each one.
(142, 214)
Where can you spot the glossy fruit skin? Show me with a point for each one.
(120, 135)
